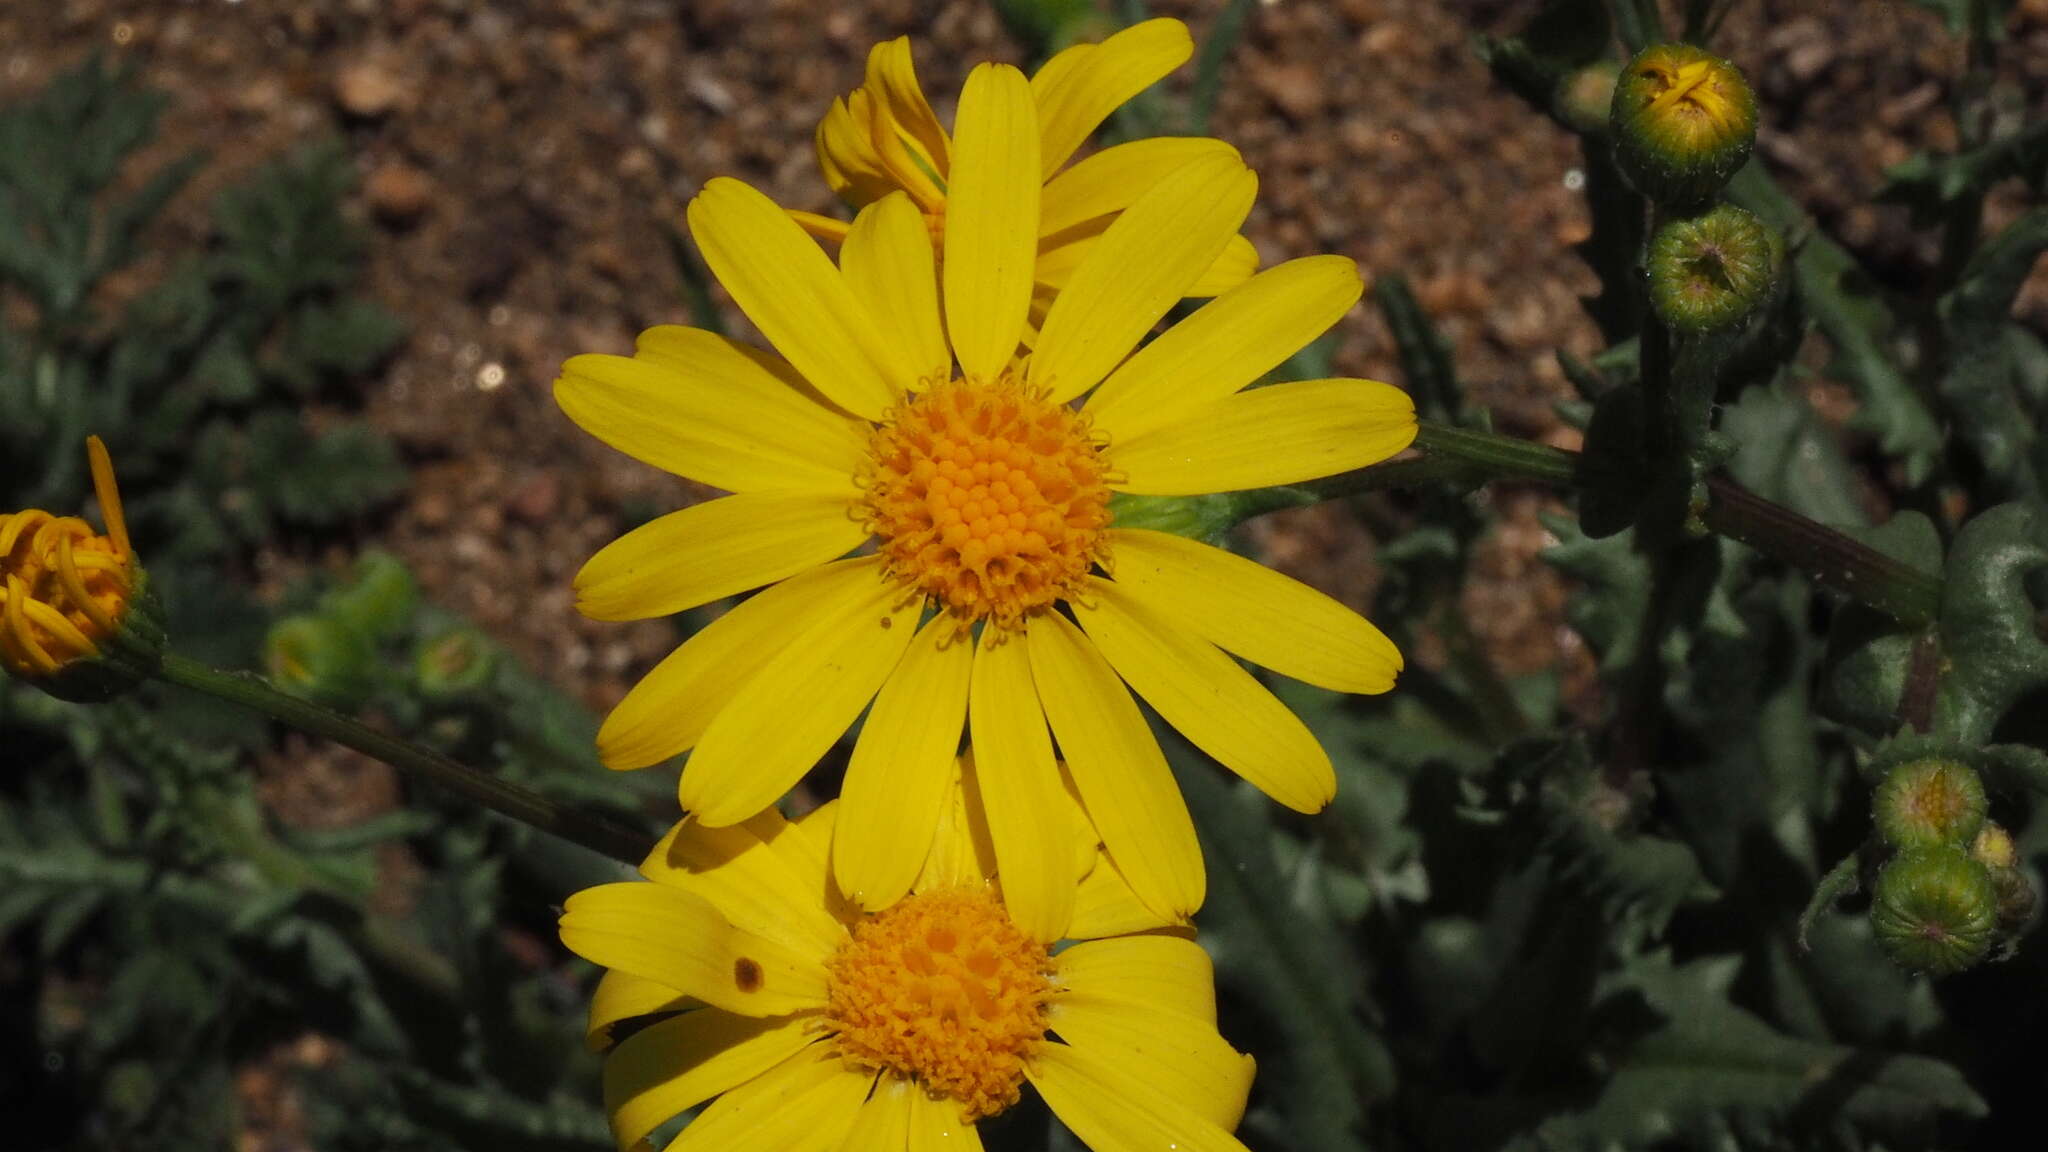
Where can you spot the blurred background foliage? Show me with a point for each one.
(1519, 926)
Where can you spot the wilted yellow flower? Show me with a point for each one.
(66, 591)
(741, 979)
(900, 412)
(884, 137)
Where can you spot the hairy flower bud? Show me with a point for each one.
(1928, 802)
(1935, 910)
(379, 599)
(320, 658)
(77, 618)
(455, 663)
(1683, 121)
(1993, 847)
(1714, 270)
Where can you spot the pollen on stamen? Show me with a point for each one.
(943, 989)
(988, 498)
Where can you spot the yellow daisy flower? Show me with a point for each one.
(739, 977)
(900, 412)
(64, 589)
(884, 137)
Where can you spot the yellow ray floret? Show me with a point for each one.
(64, 589)
(740, 983)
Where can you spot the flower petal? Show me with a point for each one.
(668, 711)
(699, 405)
(1212, 701)
(1022, 797)
(623, 996)
(1167, 973)
(1140, 267)
(991, 242)
(846, 152)
(805, 1104)
(902, 767)
(788, 287)
(1112, 179)
(1078, 89)
(1116, 765)
(887, 259)
(1249, 610)
(830, 229)
(883, 1124)
(1282, 434)
(936, 1126)
(1183, 1057)
(1235, 265)
(918, 140)
(680, 939)
(673, 1065)
(797, 706)
(1226, 344)
(751, 875)
(1116, 1109)
(1106, 906)
(717, 548)
(961, 854)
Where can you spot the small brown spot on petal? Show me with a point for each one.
(746, 974)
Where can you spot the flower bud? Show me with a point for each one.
(1683, 121)
(379, 599)
(77, 618)
(321, 659)
(1929, 802)
(454, 664)
(1714, 270)
(1207, 518)
(1993, 847)
(1934, 910)
(1585, 98)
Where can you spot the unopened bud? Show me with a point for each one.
(379, 598)
(1714, 270)
(321, 659)
(1993, 847)
(455, 663)
(1683, 121)
(1935, 910)
(1928, 802)
(1585, 98)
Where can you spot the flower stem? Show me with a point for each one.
(507, 799)
(1905, 593)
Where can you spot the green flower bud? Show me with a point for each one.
(1206, 518)
(1585, 98)
(1714, 270)
(1683, 121)
(1993, 847)
(379, 599)
(321, 659)
(2015, 900)
(1935, 910)
(454, 664)
(1930, 802)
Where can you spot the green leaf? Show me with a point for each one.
(1995, 654)
(1981, 381)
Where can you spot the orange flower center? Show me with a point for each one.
(943, 989)
(987, 498)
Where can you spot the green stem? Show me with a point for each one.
(507, 799)
(1906, 593)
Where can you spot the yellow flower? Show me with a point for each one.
(899, 412)
(884, 138)
(64, 589)
(739, 977)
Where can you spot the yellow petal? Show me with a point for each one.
(830, 229)
(883, 1124)
(1282, 434)
(1233, 266)
(1117, 766)
(796, 707)
(623, 996)
(1078, 89)
(1116, 1109)
(787, 286)
(805, 1104)
(668, 711)
(680, 939)
(1112, 179)
(1106, 906)
(936, 1126)
(1184, 1059)
(961, 854)
(749, 874)
(1226, 344)
(671, 1066)
(887, 259)
(680, 348)
(1166, 973)
(1141, 266)
(896, 784)
(1212, 701)
(892, 81)
(846, 153)
(714, 549)
(699, 405)
(1022, 796)
(1248, 609)
(991, 219)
